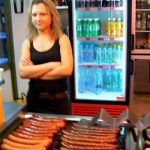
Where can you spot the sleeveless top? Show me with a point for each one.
(51, 55)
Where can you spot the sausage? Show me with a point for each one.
(9, 147)
(40, 128)
(79, 146)
(27, 136)
(14, 144)
(29, 141)
(107, 139)
(59, 124)
(49, 134)
(36, 131)
(40, 118)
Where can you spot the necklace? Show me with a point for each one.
(40, 43)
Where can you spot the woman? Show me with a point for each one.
(46, 59)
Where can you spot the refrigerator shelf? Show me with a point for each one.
(99, 8)
(100, 66)
(102, 38)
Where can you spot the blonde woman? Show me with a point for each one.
(46, 59)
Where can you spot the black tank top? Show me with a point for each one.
(50, 55)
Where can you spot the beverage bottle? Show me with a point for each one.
(85, 24)
(112, 3)
(114, 81)
(113, 27)
(79, 27)
(103, 49)
(122, 26)
(99, 3)
(119, 80)
(143, 4)
(77, 3)
(87, 3)
(148, 22)
(117, 3)
(108, 27)
(93, 3)
(99, 81)
(138, 4)
(108, 80)
(86, 52)
(82, 3)
(81, 53)
(118, 27)
(98, 53)
(96, 27)
(143, 21)
(110, 53)
(121, 3)
(104, 3)
(91, 52)
(108, 3)
(114, 50)
(120, 54)
(148, 5)
(81, 83)
(90, 27)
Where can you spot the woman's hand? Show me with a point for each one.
(25, 61)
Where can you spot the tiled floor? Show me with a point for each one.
(140, 104)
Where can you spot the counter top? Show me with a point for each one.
(11, 112)
(12, 109)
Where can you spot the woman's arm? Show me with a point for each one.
(66, 65)
(27, 69)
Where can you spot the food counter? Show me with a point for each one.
(73, 126)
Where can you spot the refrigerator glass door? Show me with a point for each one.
(100, 50)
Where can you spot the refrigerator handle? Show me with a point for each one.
(16, 9)
(131, 67)
(132, 41)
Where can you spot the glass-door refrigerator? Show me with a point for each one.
(100, 33)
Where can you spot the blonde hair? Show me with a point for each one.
(55, 24)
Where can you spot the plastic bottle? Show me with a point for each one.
(96, 27)
(143, 21)
(118, 27)
(90, 27)
(119, 80)
(98, 54)
(138, 4)
(81, 53)
(86, 52)
(113, 27)
(103, 47)
(114, 51)
(138, 21)
(99, 81)
(91, 52)
(85, 24)
(148, 22)
(79, 27)
(108, 27)
(114, 81)
(81, 84)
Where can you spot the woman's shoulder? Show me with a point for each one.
(63, 38)
(26, 42)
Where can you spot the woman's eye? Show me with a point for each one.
(34, 15)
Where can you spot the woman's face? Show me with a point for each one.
(41, 18)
